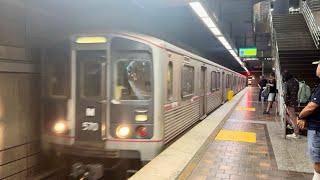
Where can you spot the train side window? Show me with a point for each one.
(218, 81)
(213, 76)
(170, 82)
(187, 81)
(227, 81)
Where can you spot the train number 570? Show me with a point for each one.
(90, 126)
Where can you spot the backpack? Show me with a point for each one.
(304, 92)
(265, 92)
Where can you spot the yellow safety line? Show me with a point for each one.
(240, 108)
(241, 136)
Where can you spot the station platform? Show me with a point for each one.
(242, 144)
(251, 146)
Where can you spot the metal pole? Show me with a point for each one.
(262, 68)
(262, 73)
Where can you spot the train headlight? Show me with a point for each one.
(60, 127)
(123, 131)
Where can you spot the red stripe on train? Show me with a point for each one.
(134, 140)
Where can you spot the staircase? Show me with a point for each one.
(296, 47)
(314, 5)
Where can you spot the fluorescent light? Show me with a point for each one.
(246, 70)
(233, 53)
(208, 21)
(239, 60)
(202, 13)
(224, 42)
(216, 31)
(198, 8)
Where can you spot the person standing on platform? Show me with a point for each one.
(272, 93)
(291, 88)
(262, 84)
(310, 115)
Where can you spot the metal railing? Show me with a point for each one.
(275, 55)
(311, 22)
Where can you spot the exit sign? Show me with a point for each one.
(247, 52)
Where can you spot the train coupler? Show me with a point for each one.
(87, 171)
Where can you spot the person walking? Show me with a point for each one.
(310, 115)
(272, 93)
(262, 84)
(291, 89)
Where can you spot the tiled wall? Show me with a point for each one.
(19, 95)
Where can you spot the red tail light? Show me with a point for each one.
(142, 131)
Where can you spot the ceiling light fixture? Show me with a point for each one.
(202, 13)
(216, 31)
(208, 21)
(224, 42)
(198, 8)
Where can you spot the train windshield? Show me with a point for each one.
(132, 70)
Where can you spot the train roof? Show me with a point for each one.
(163, 44)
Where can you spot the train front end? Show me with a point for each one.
(107, 107)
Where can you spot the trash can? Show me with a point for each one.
(230, 95)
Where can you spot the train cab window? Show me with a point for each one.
(187, 83)
(90, 72)
(170, 82)
(91, 79)
(132, 70)
(133, 79)
(213, 81)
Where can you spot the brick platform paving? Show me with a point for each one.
(243, 160)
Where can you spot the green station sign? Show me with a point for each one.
(247, 52)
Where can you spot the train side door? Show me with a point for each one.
(90, 95)
(203, 93)
(224, 88)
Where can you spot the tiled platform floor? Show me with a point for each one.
(243, 160)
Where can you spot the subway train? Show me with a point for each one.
(125, 95)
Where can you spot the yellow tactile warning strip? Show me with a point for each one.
(241, 108)
(242, 136)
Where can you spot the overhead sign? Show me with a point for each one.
(247, 52)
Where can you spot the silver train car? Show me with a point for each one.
(126, 95)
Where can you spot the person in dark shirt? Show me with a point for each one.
(291, 88)
(272, 93)
(262, 84)
(311, 115)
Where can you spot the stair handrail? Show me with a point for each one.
(275, 54)
(311, 22)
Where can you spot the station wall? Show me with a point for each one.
(19, 94)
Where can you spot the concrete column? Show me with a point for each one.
(281, 7)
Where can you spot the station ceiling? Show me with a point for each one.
(49, 22)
